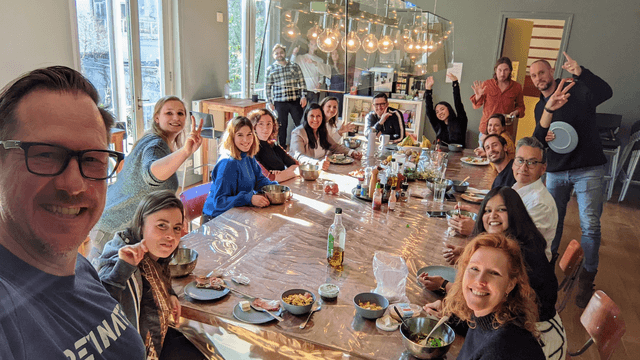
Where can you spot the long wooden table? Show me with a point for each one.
(284, 246)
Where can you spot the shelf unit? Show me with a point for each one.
(356, 107)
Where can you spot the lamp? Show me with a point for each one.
(291, 32)
(385, 44)
(313, 33)
(370, 42)
(351, 42)
(327, 40)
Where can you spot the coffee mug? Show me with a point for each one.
(254, 97)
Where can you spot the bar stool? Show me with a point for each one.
(633, 148)
(608, 126)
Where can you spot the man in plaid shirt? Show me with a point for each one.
(285, 91)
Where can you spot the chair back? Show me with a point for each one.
(572, 258)
(193, 201)
(601, 318)
(207, 119)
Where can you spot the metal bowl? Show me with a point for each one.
(430, 181)
(309, 171)
(424, 325)
(371, 298)
(466, 213)
(460, 187)
(297, 309)
(352, 143)
(277, 194)
(183, 262)
(455, 147)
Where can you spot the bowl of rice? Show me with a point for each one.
(298, 301)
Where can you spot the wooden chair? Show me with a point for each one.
(571, 265)
(193, 201)
(601, 318)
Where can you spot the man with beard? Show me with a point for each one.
(55, 163)
(582, 169)
(285, 89)
(494, 146)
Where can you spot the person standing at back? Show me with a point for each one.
(55, 162)
(498, 95)
(581, 169)
(286, 92)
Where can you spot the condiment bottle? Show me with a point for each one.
(373, 181)
(404, 193)
(392, 199)
(336, 242)
(392, 173)
(376, 202)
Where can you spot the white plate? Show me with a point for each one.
(204, 294)
(253, 316)
(448, 273)
(474, 160)
(340, 159)
(566, 137)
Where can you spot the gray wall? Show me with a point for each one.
(34, 34)
(605, 38)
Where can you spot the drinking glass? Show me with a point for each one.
(439, 188)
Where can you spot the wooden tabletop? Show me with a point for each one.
(283, 247)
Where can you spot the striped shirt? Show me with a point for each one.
(285, 82)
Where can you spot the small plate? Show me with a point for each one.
(566, 137)
(470, 160)
(254, 317)
(447, 273)
(340, 159)
(476, 198)
(355, 193)
(197, 293)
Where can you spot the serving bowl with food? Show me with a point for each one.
(183, 262)
(328, 291)
(277, 194)
(455, 147)
(309, 172)
(431, 180)
(298, 301)
(370, 305)
(413, 338)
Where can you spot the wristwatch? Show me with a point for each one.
(443, 287)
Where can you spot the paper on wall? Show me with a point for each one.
(455, 69)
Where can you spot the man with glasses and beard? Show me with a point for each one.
(385, 120)
(55, 163)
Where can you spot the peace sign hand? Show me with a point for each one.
(194, 140)
(560, 96)
(571, 65)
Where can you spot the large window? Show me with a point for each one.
(121, 51)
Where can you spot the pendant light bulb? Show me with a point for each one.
(351, 42)
(385, 45)
(291, 32)
(314, 32)
(327, 40)
(370, 43)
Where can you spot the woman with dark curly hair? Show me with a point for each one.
(492, 294)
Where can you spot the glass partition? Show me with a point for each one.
(359, 47)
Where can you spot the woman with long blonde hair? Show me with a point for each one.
(151, 166)
(237, 176)
(492, 294)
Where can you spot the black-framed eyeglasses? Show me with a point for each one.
(530, 163)
(51, 160)
(380, 104)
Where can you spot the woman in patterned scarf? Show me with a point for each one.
(134, 268)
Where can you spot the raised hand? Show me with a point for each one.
(428, 84)
(194, 140)
(478, 89)
(560, 96)
(452, 77)
(133, 254)
(571, 65)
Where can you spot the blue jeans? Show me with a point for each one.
(589, 185)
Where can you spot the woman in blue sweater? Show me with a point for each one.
(237, 176)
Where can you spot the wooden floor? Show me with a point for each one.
(618, 272)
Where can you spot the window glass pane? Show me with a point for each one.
(93, 34)
(235, 44)
(150, 15)
(261, 18)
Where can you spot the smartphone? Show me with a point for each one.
(439, 214)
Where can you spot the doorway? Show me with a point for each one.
(526, 38)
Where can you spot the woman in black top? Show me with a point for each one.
(272, 157)
(449, 127)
